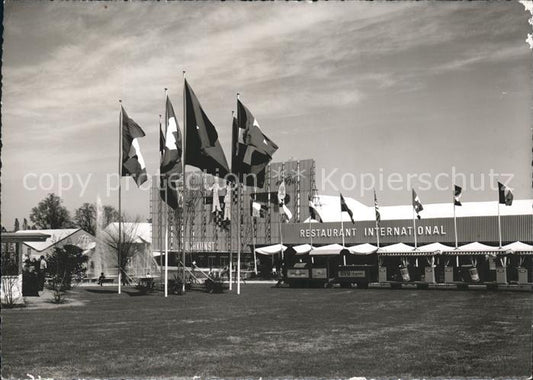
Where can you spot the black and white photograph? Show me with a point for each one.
(267, 190)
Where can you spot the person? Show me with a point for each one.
(101, 279)
(43, 266)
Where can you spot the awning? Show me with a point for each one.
(518, 247)
(271, 249)
(302, 249)
(475, 248)
(398, 249)
(332, 249)
(363, 249)
(435, 248)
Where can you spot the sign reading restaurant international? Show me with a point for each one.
(475, 228)
(372, 231)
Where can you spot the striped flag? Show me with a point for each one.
(457, 194)
(376, 207)
(417, 205)
(505, 194)
(345, 208)
(132, 160)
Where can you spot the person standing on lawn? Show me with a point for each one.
(43, 266)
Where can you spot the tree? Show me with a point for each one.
(110, 215)
(124, 249)
(50, 214)
(66, 263)
(25, 224)
(85, 217)
(17, 225)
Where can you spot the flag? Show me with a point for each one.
(171, 143)
(417, 205)
(132, 159)
(376, 207)
(252, 150)
(313, 212)
(282, 192)
(216, 208)
(344, 208)
(203, 149)
(457, 193)
(505, 194)
(227, 204)
(170, 148)
(259, 210)
(284, 211)
(286, 214)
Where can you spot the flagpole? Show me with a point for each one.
(231, 233)
(376, 217)
(166, 203)
(238, 223)
(414, 226)
(119, 196)
(160, 227)
(183, 166)
(499, 227)
(342, 233)
(253, 235)
(455, 222)
(309, 226)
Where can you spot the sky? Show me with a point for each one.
(364, 88)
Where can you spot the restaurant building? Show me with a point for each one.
(211, 244)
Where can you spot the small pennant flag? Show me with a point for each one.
(132, 159)
(457, 194)
(505, 194)
(376, 207)
(345, 208)
(313, 212)
(417, 205)
(258, 210)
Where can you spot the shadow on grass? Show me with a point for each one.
(101, 291)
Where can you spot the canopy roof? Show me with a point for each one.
(23, 236)
(475, 248)
(518, 246)
(302, 249)
(395, 249)
(331, 249)
(363, 249)
(271, 249)
(54, 236)
(433, 248)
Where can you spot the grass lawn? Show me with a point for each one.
(273, 332)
